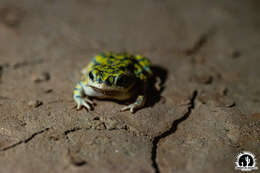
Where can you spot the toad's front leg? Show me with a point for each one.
(139, 103)
(78, 95)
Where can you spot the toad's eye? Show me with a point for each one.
(91, 76)
(122, 81)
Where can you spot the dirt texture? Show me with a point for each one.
(204, 101)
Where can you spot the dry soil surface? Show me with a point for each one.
(204, 110)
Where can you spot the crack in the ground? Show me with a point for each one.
(74, 129)
(170, 131)
(25, 140)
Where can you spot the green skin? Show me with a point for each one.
(119, 76)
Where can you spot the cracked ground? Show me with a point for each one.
(205, 111)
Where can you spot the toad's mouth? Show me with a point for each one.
(105, 92)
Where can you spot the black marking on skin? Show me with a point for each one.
(108, 82)
(123, 80)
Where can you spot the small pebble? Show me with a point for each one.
(235, 54)
(48, 90)
(205, 79)
(223, 91)
(11, 16)
(77, 161)
(35, 103)
(45, 76)
(224, 101)
(75, 158)
(100, 126)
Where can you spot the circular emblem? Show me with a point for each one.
(245, 161)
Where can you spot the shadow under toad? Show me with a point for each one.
(156, 85)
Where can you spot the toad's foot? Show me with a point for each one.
(87, 103)
(131, 107)
(140, 101)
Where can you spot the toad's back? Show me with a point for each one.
(119, 63)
